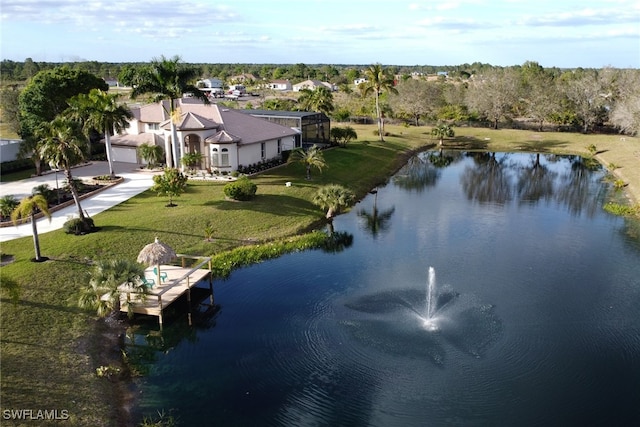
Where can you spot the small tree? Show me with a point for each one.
(191, 160)
(310, 158)
(28, 208)
(152, 154)
(102, 293)
(442, 131)
(342, 136)
(333, 198)
(242, 189)
(172, 184)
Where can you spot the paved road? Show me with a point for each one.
(135, 182)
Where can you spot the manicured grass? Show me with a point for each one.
(49, 347)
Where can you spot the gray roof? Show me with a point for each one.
(278, 113)
(238, 127)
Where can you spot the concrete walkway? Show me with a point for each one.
(135, 182)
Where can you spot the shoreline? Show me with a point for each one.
(125, 389)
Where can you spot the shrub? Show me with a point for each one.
(241, 189)
(47, 192)
(77, 226)
(7, 204)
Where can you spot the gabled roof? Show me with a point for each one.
(191, 121)
(222, 137)
(197, 116)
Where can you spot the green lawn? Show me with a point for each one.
(50, 349)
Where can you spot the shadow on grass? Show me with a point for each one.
(117, 228)
(542, 146)
(41, 306)
(268, 203)
(465, 143)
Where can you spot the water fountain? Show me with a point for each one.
(429, 322)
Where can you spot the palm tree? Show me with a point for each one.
(152, 154)
(320, 100)
(442, 131)
(333, 198)
(100, 110)
(102, 293)
(63, 144)
(310, 158)
(378, 81)
(168, 79)
(28, 208)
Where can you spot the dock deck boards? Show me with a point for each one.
(179, 281)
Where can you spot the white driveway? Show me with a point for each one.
(135, 182)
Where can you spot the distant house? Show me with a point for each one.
(280, 85)
(226, 138)
(312, 85)
(111, 82)
(211, 86)
(359, 81)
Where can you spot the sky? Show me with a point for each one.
(553, 33)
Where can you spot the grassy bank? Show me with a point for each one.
(49, 348)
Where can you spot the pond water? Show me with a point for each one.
(534, 318)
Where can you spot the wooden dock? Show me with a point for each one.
(177, 282)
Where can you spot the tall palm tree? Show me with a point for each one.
(309, 158)
(28, 208)
(102, 293)
(378, 81)
(168, 79)
(99, 110)
(62, 143)
(320, 100)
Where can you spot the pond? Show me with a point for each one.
(473, 289)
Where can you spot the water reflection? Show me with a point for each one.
(418, 174)
(376, 221)
(501, 178)
(535, 181)
(488, 180)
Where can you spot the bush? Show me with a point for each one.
(241, 189)
(77, 226)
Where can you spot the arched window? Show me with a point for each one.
(224, 161)
(214, 157)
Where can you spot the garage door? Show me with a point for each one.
(124, 154)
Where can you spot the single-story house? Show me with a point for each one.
(312, 85)
(280, 85)
(226, 138)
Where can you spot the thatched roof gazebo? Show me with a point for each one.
(156, 253)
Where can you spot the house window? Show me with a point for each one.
(225, 157)
(153, 126)
(279, 146)
(214, 157)
(262, 151)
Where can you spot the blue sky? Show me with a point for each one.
(561, 33)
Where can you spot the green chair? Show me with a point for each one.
(163, 275)
(148, 283)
